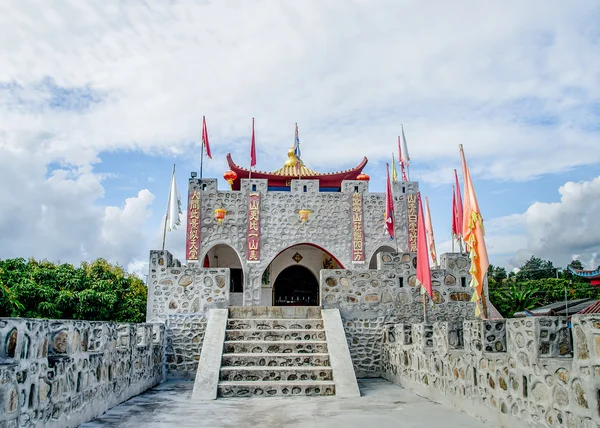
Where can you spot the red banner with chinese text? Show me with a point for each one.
(253, 250)
(358, 236)
(192, 240)
(411, 200)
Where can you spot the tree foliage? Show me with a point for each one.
(96, 291)
(536, 283)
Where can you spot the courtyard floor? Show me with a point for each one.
(382, 405)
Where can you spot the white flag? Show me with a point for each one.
(405, 156)
(174, 209)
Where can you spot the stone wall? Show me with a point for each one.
(329, 225)
(185, 335)
(368, 300)
(175, 289)
(517, 372)
(59, 373)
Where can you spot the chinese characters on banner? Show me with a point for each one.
(358, 237)
(411, 199)
(253, 227)
(192, 241)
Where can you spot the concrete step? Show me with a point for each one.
(274, 335)
(275, 374)
(279, 347)
(274, 324)
(287, 312)
(276, 360)
(275, 389)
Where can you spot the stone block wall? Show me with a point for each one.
(184, 338)
(175, 289)
(368, 300)
(61, 373)
(517, 372)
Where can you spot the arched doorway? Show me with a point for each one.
(382, 249)
(312, 258)
(296, 286)
(224, 256)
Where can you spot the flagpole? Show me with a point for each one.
(168, 205)
(424, 305)
(201, 159)
(452, 238)
(408, 164)
(251, 147)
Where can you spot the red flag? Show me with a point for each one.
(454, 214)
(423, 270)
(253, 148)
(401, 162)
(205, 138)
(389, 205)
(459, 208)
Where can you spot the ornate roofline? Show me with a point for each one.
(329, 179)
(585, 273)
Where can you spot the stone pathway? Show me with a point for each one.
(383, 405)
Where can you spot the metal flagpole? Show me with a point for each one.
(168, 206)
(201, 158)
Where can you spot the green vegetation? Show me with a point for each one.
(537, 283)
(95, 291)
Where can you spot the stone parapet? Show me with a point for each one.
(174, 289)
(517, 372)
(61, 373)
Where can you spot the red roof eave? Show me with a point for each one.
(333, 179)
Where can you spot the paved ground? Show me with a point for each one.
(383, 405)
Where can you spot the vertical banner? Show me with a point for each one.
(192, 241)
(411, 200)
(253, 227)
(358, 236)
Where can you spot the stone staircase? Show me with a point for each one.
(280, 351)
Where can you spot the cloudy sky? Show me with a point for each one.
(99, 99)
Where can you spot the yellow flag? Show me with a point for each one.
(394, 173)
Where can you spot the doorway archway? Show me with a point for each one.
(296, 286)
(224, 256)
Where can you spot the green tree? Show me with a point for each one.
(93, 291)
(536, 268)
(515, 297)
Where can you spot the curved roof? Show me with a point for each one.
(281, 177)
(590, 274)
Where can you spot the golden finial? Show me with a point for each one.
(291, 160)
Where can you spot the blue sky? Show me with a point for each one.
(97, 101)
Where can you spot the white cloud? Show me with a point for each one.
(557, 231)
(516, 85)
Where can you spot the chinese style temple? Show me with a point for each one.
(305, 256)
(591, 275)
(295, 169)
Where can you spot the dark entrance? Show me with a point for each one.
(296, 286)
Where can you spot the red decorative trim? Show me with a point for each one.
(333, 179)
(253, 250)
(358, 237)
(311, 245)
(192, 241)
(411, 202)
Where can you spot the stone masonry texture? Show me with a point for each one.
(59, 373)
(516, 372)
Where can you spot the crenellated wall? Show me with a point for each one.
(328, 227)
(516, 372)
(174, 289)
(368, 300)
(61, 373)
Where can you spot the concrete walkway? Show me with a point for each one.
(382, 405)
